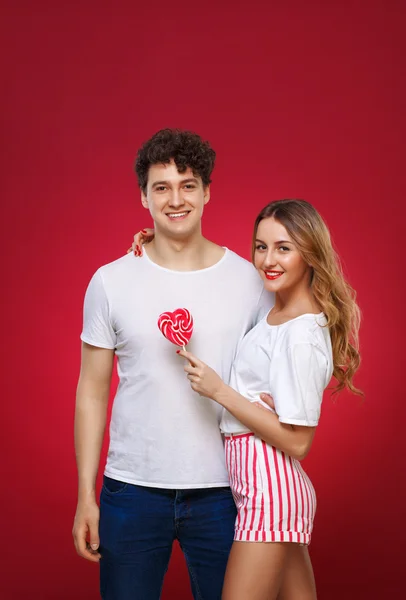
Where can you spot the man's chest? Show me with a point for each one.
(220, 317)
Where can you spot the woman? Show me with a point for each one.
(309, 335)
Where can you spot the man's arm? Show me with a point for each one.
(90, 421)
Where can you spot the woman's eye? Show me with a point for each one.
(284, 248)
(260, 247)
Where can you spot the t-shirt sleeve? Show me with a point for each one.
(298, 378)
(265, 302)
(97, 327)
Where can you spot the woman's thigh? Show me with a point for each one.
(255, 570)
(298, 579)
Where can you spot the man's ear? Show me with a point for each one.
(207, 194)
(144, 200)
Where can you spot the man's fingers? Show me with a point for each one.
(82, 547)
(79, 538)
(92, 556)
(94, 535)
(267, 398)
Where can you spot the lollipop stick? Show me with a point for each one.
(184, 348)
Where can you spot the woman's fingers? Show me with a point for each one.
(195, 362)
(137, 244)
(140, 239)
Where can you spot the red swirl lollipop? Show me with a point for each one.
(177, 326)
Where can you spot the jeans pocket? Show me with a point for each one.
(113, 486)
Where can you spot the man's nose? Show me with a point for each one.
(176, 199)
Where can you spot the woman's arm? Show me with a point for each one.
(295, 440)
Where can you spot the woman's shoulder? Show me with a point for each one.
(305, 329)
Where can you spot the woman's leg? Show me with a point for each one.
(298, 579)
(255, 570)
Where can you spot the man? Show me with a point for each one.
(165, 476)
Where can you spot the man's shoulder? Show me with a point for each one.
(112, 275)
(241, 263)
(117, 266)
(247, 275)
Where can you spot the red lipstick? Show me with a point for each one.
(272, 275)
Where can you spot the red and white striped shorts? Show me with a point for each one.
(275, 499)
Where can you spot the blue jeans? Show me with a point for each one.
(138, 526)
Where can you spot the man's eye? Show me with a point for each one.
(160, 188)
(189, 186)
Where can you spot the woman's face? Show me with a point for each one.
(277, 259)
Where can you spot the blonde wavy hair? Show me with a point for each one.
(336, 298)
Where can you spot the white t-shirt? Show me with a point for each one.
(293, 362)
(162, 434)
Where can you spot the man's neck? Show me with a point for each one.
(190, 254)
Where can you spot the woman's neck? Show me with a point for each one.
(294, 303)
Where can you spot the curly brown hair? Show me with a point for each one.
(332, 292)
(185, 148)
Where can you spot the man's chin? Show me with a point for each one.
(179, 232)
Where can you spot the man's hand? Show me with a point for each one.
(86, 530)
(268, 401)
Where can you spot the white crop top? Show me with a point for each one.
(293, 362)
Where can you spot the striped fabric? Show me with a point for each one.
(275, 499)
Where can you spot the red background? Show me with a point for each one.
(299, 99)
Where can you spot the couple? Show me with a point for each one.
(168, 471)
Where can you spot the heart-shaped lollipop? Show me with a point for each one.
(176, 326)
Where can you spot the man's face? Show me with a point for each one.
(175, 200)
